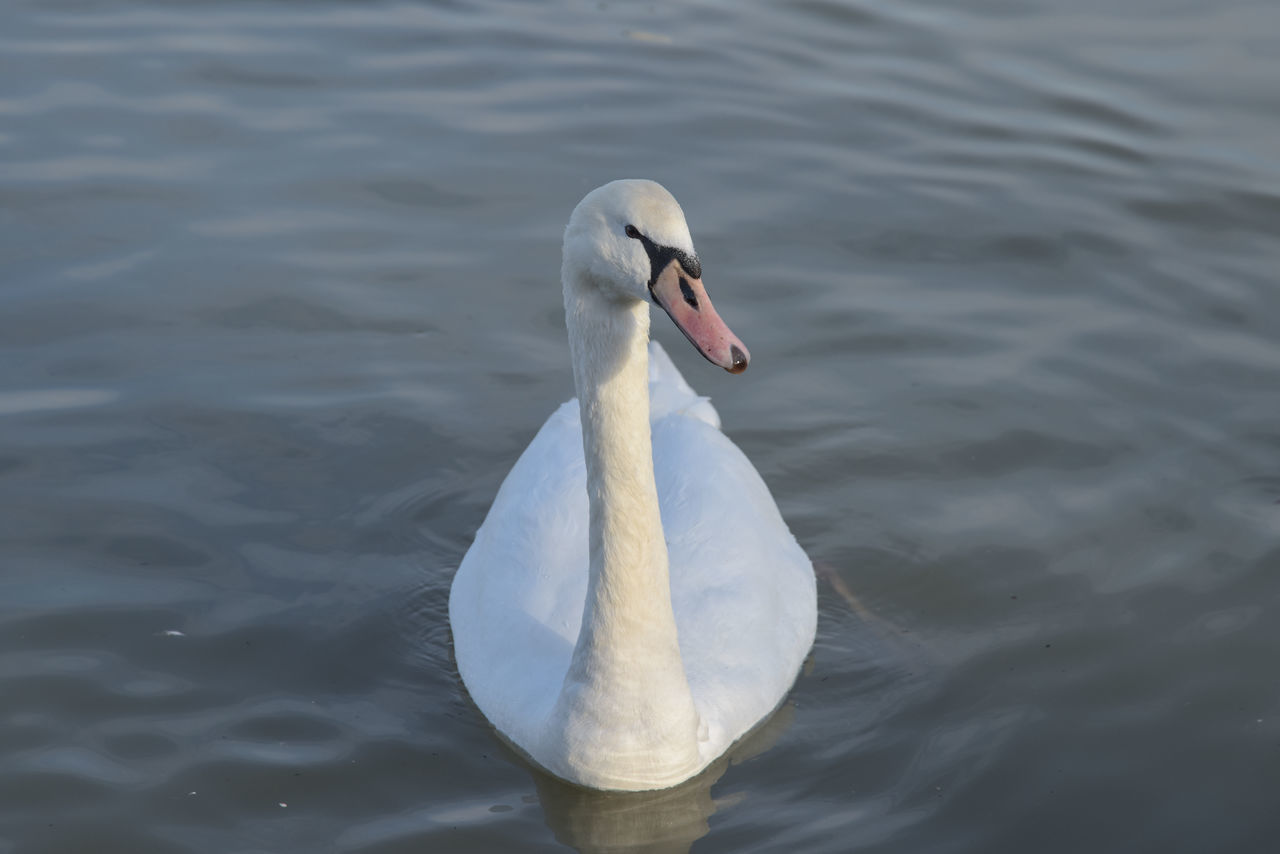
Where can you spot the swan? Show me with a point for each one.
(633, 602)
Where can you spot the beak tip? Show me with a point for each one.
(739, 360)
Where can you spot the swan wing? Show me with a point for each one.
(743, 590)
(670, 394)
(516, 601)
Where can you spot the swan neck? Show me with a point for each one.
(629, 598)
(625, 695)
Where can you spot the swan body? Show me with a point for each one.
(633, 603)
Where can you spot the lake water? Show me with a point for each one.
(280, 306)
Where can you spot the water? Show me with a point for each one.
(280, 307)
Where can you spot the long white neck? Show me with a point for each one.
(626, 694)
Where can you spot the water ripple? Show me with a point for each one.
(281, 308)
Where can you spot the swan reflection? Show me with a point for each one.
(667, 821)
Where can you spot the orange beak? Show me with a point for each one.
(685, 300)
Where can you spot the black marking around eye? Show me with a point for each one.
(661, 256)
(687, 293)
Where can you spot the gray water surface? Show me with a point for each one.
(279, 307)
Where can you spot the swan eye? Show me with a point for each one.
(632, 231)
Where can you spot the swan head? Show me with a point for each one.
(629, 240)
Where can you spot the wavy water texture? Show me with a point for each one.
(279, 308)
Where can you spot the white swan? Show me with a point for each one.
(625, 615)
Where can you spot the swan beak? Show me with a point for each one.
(685, 300)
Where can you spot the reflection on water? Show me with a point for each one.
(280, 308)
(667, 821)
(18, 402)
